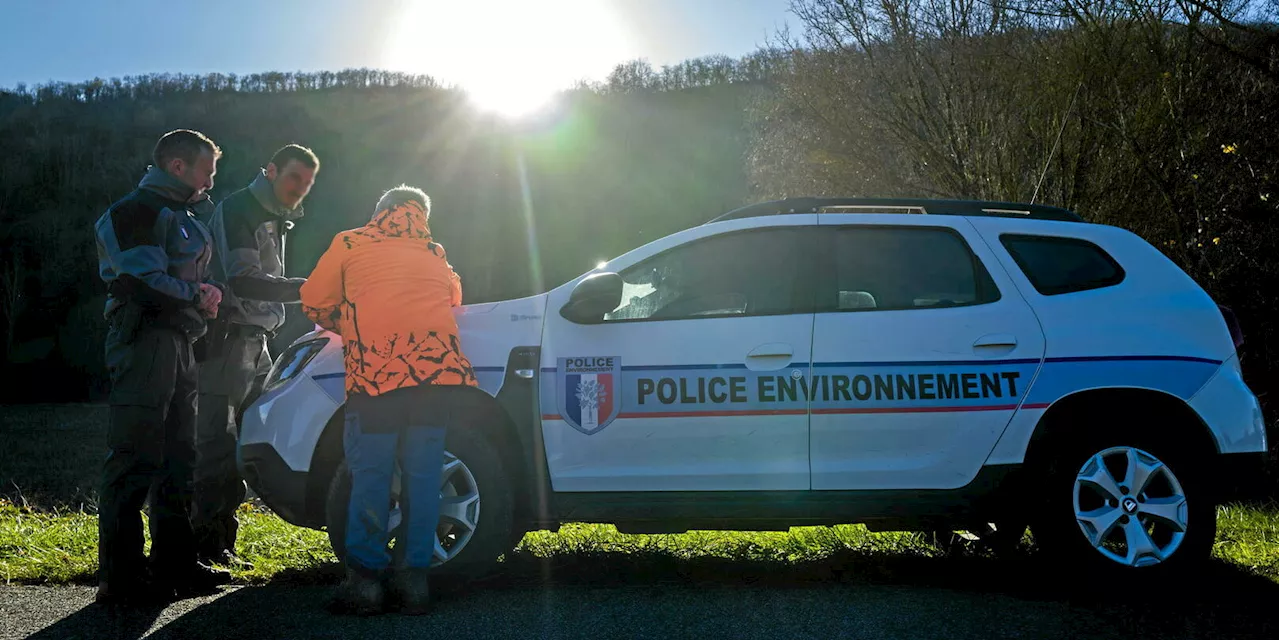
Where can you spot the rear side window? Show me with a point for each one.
(896, 268)
(1063, 265)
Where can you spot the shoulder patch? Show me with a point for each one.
(134, 222)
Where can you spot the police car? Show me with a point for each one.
(907, 364)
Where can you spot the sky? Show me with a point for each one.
(483, 44)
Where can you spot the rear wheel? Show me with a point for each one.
(475, 525)
(1132, 506)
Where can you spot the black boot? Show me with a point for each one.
(195, 580)
(359, 594)
(140, 591)
(409, 591)
(204, 578)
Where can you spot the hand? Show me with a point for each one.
(210, 299)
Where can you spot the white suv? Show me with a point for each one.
(907, 364)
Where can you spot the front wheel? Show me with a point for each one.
(476, 517)
(1128, 507)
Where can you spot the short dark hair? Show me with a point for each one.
(182, 143)
(295, 152)
(404, 194)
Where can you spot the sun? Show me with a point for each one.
(510, 56)
(511, 97)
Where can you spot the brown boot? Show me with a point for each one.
(409, 592)
(359, 594)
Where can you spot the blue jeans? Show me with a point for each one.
(372, 449)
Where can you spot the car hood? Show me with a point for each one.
(488, 332)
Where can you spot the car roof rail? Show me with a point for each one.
(917, 206)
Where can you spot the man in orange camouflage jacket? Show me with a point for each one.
(388, 290)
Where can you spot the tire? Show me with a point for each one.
(482, 469)
(1174, 469)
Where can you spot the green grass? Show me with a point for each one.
(46, 547)
(274, 546)
(60, 547)
(799, 545)
(1247, 537)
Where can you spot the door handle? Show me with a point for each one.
(771, 350)
(996, 340)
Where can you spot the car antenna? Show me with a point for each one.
(1049, 159)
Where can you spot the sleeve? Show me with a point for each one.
(456, 298)
(136, 254)
(238, 251)
(455, 281)
(322, 294)
(210, 279)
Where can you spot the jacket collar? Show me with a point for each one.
(165, 185)
(407, 220)
(265, 194)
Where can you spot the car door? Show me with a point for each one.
(662, 393)
(923, 350)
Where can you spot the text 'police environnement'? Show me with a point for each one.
(831, 388)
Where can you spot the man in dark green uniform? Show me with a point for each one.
(249, 229)
(154, 256)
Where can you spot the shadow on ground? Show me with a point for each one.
(851, 595)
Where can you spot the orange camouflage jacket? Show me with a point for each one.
(388, 290)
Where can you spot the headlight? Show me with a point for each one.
(292, 361)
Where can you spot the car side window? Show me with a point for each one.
(1057, 265)
(745, 273)
(895, 268)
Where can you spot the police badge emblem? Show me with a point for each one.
(587, 389)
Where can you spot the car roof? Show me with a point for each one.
(918, 206)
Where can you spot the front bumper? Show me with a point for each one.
(282, 489)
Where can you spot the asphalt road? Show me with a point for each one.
(1224, 604)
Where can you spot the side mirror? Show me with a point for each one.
(596, 295)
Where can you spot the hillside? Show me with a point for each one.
(520, 208)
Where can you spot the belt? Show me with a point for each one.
(131, 317)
